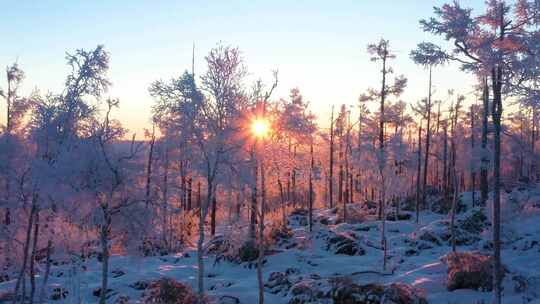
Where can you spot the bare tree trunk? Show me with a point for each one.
(200, 242)
(165, 193)
(445, 158)
(473, 172)
(20, 277)
(345, 179)
(47, 272)
(340, 162)
(149, 166)
(351, 186)
(199, 198)
(253, 210)
(383, 228)
(331, 165)
(436, 178)
(189, 193)
(282, 201)
(358, 179)
(484, 162)
(382, 156)
(239, 200)
(521, 157)
(496, 222)
(428, 137)
(104, 237)
(453, 153)
(294, 186)
(348, 148)
(311, 188)
(9, 97)
(213, 217)
(533, 144)
(261, 232)
(453, 212)
(288, 186)
(418, 174)
(200, 263)
(183, 186)
(33, 257)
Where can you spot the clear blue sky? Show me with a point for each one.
(318, 46)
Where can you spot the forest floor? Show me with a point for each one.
(302, 267)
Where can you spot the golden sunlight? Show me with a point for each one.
(260, 127)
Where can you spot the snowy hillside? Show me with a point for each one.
(335, 260)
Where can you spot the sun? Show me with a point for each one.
(260, 128)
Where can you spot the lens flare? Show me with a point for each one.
(260, 128)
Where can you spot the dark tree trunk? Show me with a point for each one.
(453, 212)
(253, 205)
(445, 159)
(104, 238)
(428, 137)
(261, 246)
(7, 194)
(47, 272)
(33, 257)
(418, 172)
(473, 172)
(199, 199)
(282, 201)
(484, 162)
(331, 165)
(165, 193)
(183, 186)
(189, 193)
(149, 167)
(496, 222)
(437, 160)
(340, 162)
(294, 176)
(20, 277)
(382, 118)
(203, 210)
(213, 217)
(351, 188)
(311, 188)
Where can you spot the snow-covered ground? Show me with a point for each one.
(415, 258)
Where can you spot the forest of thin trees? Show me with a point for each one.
(220, 154)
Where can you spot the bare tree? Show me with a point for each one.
(212, 128)
(381, 52)
(428, 55)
